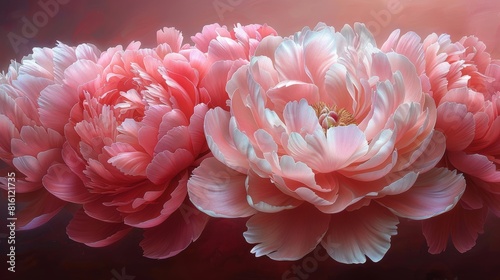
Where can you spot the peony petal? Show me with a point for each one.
(435, 192)
(463, 226)
(175, 234)
(457, 124)
(476, 165)
(364, 232)
(218, 190)
(66, 185)
(40, 207)
(288, 234)
(264, 196)
(166, 165)
(94, 233)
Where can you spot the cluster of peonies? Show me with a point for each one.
(321, 138)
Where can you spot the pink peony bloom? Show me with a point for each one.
(327, 140)
(464, 83)
(226, 51)
(134, 135)
(32, 126)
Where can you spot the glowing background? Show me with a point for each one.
(221, 251)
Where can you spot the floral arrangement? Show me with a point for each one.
(322, 138)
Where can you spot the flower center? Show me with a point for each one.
(329, 116)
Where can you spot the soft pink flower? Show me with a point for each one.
(226, 50)
(328, 141)
(133, 137)
(32, 127)
(464, 83)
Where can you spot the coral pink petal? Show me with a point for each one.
(288, 234)
(97, 210)
(175, 234)
(476, 165)
(434, 192)
(94, 233)
(66, 185)
(158, 211)
(41, 207)
(457, 124)
(170, 36)
(218, 190)
(363, 232)
(463, 225)
(167, 165)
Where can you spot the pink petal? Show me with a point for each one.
(284, 92)
(175, 234)
(463, 226)
(218, 190)
(288, 234)
(159, 210)
(167, 165)
(219, 140)
(170, 36)
(475, 165)
(94, 233)
(457, 124)
(41, 206)
(66, 185)
(435, 192)
(264, 196)
(289, 61)
(55, 105)
(300, 117)
(364, 232)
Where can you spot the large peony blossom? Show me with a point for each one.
(32, 137)
(134, 134)
(328, 140)
(464, 81)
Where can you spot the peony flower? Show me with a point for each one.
(327, 140)
(32, 126)
(464, 84)
(225, 52)
(133, 136)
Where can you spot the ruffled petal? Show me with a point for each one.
(286, 235)
(218, 190)
(364, 232)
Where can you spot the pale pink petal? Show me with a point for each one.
(289, 61)
(175, 234)
(264, 196)
(94, 233)
(218, 190)
(285, 92)
(365, 232)
(435, 192)
(299, 116)
(219, 140)
(55, 104)
(288, 234)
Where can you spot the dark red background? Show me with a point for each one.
(221, 252)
